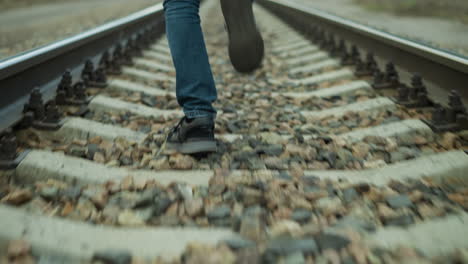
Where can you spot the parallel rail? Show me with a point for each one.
(43, 67)
(442, 69)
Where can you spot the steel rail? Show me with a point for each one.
(444, 69)
(44, 66)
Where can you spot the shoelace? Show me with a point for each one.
(173, 130)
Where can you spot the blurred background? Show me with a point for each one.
(438, 23)
(28, 24)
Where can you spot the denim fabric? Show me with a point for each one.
(195, 87)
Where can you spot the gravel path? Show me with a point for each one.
(441, 33)
(28, 28)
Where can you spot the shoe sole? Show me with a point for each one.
(194, 147)
(245, 42)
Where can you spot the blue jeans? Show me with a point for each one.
(195, 86)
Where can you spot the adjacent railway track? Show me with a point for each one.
(326, 154)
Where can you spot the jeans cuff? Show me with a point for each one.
(198, 113)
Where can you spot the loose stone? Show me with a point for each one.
(399, 201)
(161, 204)
(286, 246)
(301, 216)
(194, 207)
(18, 197)
(331, 241)
(239, 243)
(350, 194)
(285, 228)
(402, 220)
(219, 213)
(181, 162)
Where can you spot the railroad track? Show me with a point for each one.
(322, 158)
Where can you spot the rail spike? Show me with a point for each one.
(107, 63)
(93, 78)
(39, 115)
(35, 105)
(415, 95)
(9, 156)
(353, 57)
(379, 80)
(127, 55)
(451, 118)
(117, 58)
(368, 67)
(64, 89)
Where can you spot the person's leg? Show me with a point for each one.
(195, 87)
(245, 41)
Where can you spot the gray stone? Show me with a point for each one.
(286, 246)
(399, 201)
(238, 243)
(270, 150)
(184, 191)
(311, 180)
(345, 155)
(126, 161)
(402, 220)
(149, 101)
(161, 204)
(348, 260)
(403, 153)
(219, 212)
(255, 163)
(145, 214)
(312, 189)
(284, 175)
(328, 156)
(275, 163)
(71, 193)
(405, 139)
(124, 199)
(92, 149)
(331, 241)
(349, 195)
(301, 216)
(146, 198)
(113, 257)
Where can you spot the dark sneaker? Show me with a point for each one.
(245, 42)
(191, 136)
